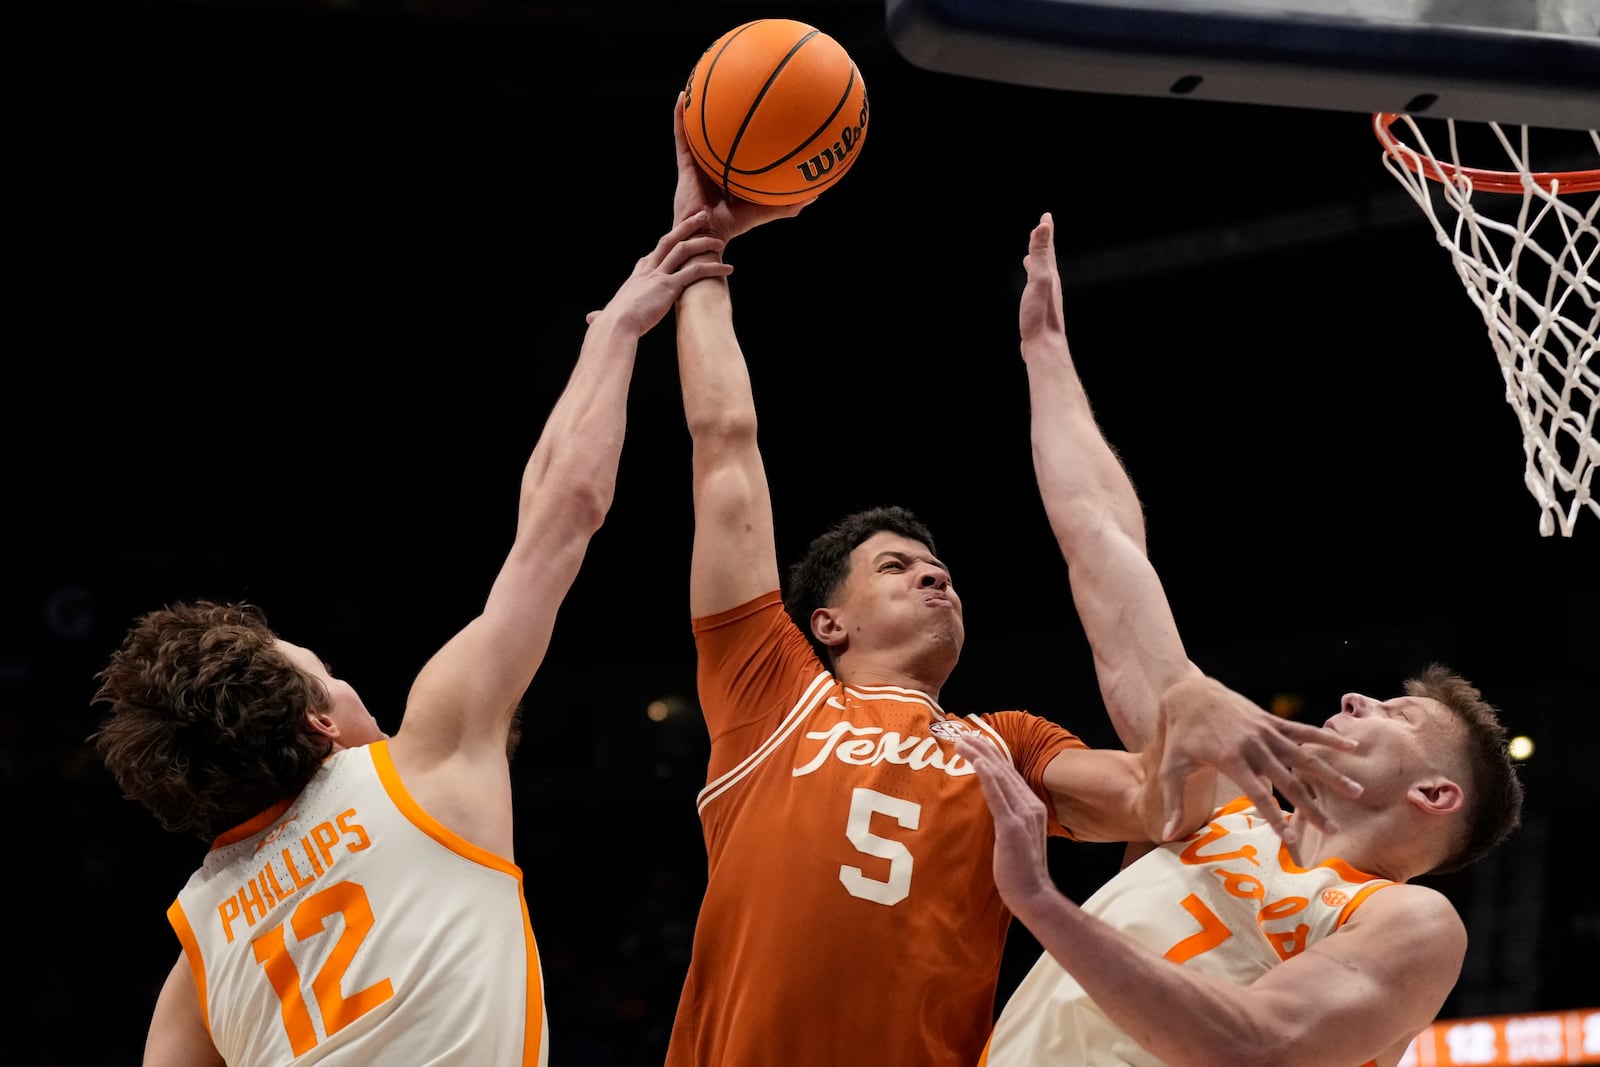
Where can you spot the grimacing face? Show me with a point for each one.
(1401, 739)
(897, 592)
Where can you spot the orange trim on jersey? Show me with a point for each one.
(814, 694)
(418, 817)
(191, 952)
(252, 826)
(991, 733)
(1333, 863)
(1238, 803)
(1366, 891)
(895, 692)
(533, 1015)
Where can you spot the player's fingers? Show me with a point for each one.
(1019, 797)
(1296, 750)
(791, 210)
(701, 269)
(703, 245)
(1256, 783)
(680, 230)
(987, 779)
(1292, 782)
(1170, 778)
(1305, 734)
(1279, 823)
(1305, 761)
(1312, 768)
(992, 768)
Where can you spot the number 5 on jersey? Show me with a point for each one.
(858, 828)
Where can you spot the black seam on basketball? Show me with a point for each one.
(818, 132)
(750, 112)
(805, 187)
(705, 89)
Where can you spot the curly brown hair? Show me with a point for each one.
(1494, 791)
(209, 721)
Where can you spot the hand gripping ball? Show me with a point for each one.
(775, 111)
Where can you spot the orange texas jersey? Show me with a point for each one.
(850, 914)
(348, 926)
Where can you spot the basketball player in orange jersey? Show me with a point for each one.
(1228, 947)
(850, 916)
(359, 902)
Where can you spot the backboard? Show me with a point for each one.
(1533, 62)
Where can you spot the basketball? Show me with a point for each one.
(775, 111)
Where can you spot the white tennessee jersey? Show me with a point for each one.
(347, 926)
(1228, 901)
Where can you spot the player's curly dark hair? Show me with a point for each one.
(817, 575)
(209, 721)
(1493, 789)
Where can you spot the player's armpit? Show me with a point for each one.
(178, 1035)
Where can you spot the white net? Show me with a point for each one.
(1525, 244)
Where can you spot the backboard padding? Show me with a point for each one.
(1305, 53)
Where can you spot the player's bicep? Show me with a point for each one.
(735, 551)
(1373, 984)
(178, 1035)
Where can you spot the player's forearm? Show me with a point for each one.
(718, 403)
(1081, 481)
(1171, 810)
(734, 556)
(1186, 1018)
(1096, 518)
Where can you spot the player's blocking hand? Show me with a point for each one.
(682, 256)
(1206, 724)
(1020, 821)
(726, 217)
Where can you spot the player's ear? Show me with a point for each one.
(322, 722)
(828, 627)
(1437, 796)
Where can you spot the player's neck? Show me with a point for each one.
(1360, 842)
(866, 669)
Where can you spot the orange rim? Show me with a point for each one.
(1494, 181)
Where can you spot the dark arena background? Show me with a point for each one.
(290, 287)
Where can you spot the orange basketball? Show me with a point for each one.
(775, 111)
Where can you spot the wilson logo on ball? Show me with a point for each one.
(823, 162)
(775, 111)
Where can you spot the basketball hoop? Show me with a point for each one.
(1528, 258)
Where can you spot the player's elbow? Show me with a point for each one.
(577, 497)
(1262, 1036)
(1085, 524)
(720, 431)
(1244, 1047)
